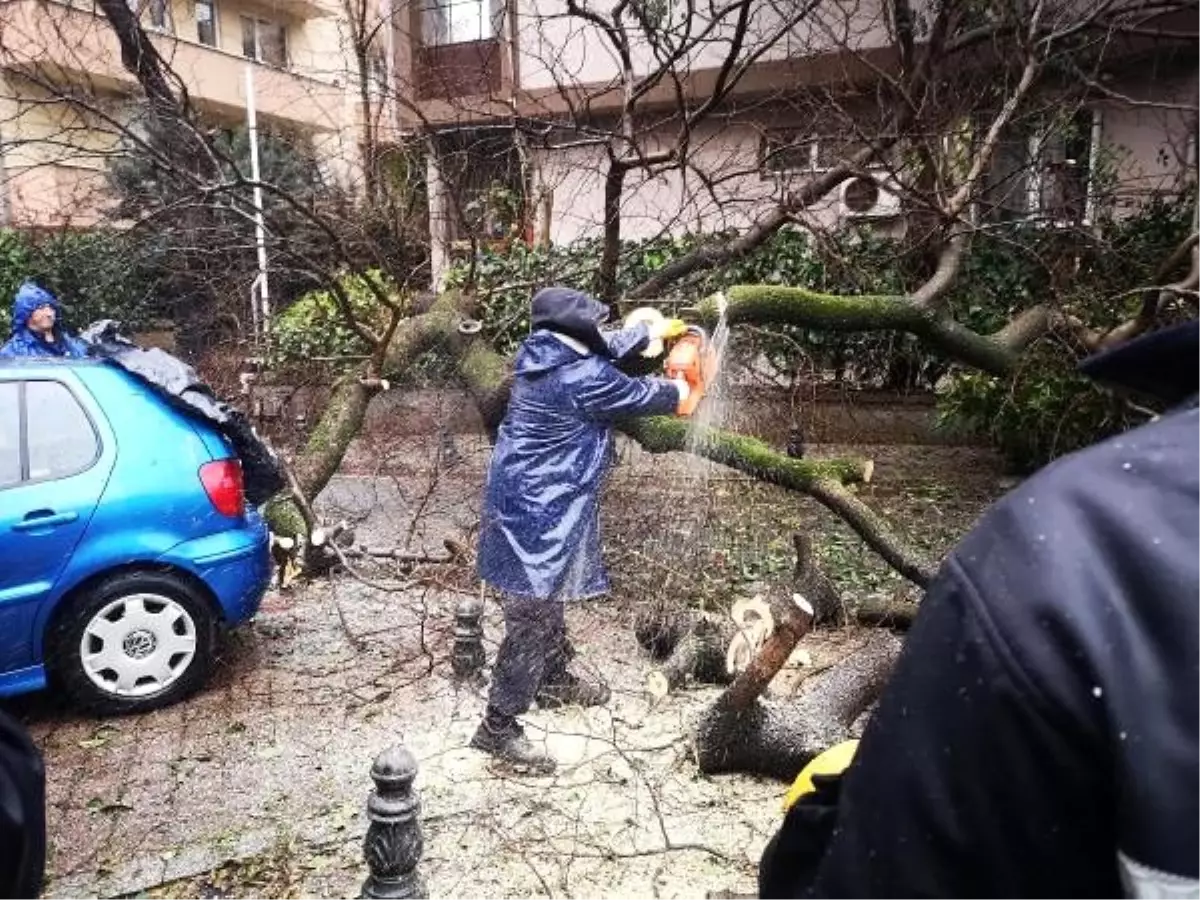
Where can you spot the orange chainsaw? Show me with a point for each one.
(693, 359)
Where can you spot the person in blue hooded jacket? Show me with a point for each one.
(539, 542)
(36, 326)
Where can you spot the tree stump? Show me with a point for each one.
(394, 843)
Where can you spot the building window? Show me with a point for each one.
(157, 13)
(787, 151)
(206, 22)
(1043, 170)
(264, 41)
(459, 21)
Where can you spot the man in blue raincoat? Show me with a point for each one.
(540, 535)
(36, 326)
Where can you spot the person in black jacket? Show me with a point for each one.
(1039, 736)
(22, 812)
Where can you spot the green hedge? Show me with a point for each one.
(1046, 408)
(96, 274)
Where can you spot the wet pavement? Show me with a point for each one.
(273, 758)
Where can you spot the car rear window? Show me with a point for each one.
(10, 434)
(60, 436)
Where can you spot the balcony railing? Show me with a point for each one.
(54, 41)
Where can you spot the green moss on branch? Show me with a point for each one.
(663, 434)
(779, 305)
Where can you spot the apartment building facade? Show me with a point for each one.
(523, 95)
(68, 107)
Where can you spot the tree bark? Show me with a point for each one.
(699, 655)
(778, 738)
(772, 304)
(610, 257)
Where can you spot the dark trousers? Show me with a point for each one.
(535, 652)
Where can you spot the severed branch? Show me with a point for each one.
(896, 614)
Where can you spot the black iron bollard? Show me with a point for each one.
(469, 655)
(394, 842)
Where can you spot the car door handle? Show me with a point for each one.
(44, 518)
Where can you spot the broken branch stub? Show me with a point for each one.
(793, 619)
(814, 585)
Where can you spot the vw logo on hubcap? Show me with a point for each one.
(139, 644)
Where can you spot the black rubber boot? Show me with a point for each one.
(568, 689)
(507, 743)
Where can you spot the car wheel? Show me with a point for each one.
(134, 642)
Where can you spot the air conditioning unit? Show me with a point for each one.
(868, 197)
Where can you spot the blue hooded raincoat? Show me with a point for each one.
(24, 342)
(540, 535)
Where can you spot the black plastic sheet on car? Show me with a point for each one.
(180, 385)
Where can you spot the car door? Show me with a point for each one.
(53, 469)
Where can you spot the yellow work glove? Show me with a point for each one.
(668, 329)
(833, 761)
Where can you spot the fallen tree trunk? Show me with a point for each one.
(742, 733)
(897, 614)
(344, 414)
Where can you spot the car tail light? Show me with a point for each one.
(222, 482)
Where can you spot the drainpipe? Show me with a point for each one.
(261, 314)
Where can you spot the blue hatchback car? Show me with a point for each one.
(125, 538)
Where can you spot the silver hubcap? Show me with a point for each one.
(138, 645)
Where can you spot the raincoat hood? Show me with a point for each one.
(1164, 364)
(29, 298)
(572, 313)
(575, 315)
(24, 342)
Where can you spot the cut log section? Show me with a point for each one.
(699, 655)
(750, 610)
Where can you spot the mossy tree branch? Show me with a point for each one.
(779, 305)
